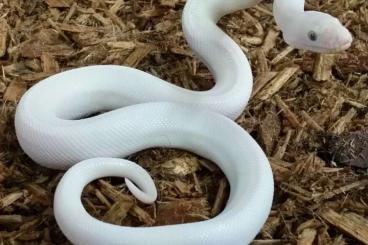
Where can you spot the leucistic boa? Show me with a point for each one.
(145, 111)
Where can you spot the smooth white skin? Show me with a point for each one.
(145, 112)
(296, 24)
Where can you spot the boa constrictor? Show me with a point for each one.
(145, 111)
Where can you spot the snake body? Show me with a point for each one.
(143, 112)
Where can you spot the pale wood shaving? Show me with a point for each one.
(323, 67)
(277, 83)
(351, 223)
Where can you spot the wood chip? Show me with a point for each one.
(117, 212)
(49, 63)
(261, 81)
(350, 223)
(339, 126)
(362, 184)
(115, 19)
(122, 45)
(137, 55)
(355, 62)
(277, 83)
(71, 12)
(116, 6)
(270, 40)
(311, 122)
(179, 211)
(10, 199)
(181, 166)
(293, 119)
(15, 91)
(282, 55)
(323, 67)
(103, 20)
(309, 224)
(280, 169)
(280, 151)
(270, 227)
(111, 192)
(10, 219)
(58, 3)
(142, 215)
(220, 198)
(169, 3)
(262, 62)
(4, 28)
(269, 130)
(40, 194)
(307, 237)
(336, 108)
(102, 198)
(35, 48)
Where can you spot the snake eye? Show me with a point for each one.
(312, 36)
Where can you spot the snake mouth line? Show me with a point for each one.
(345, 46)
(341, 48)
(329, 50)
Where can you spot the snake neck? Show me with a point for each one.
(222, 55)
(221, 7)
(287, 12)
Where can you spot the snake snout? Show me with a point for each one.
(342, 42)
(346, 40)
(338, 41)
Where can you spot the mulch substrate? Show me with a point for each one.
(308, 112)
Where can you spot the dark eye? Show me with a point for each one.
(312, 36)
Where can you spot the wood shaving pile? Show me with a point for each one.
(308, 112)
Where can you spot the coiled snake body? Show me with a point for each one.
(145, 111)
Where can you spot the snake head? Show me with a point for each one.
(318, 32)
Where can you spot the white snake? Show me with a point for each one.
(145, 112)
